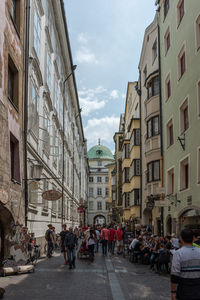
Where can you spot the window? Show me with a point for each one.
(198, 32)
(13, 82)
(181, 63)
(184, 117)
(91, 205)
(90, 179)
(99, 179)
(120, 143)
(126, 175)
(91, 192)
(126, 199)
(180, 11)
(99, 205)
(153, 171)
(198, 165)
(135, 138)
(106, 179)
(170, 133)
(14, 158)
(99, 163)
(184, 174)
(106, 191)
(137, 115)
(99, 192)
(167, 88)
(153, 127)
(135, 195)
(166, 8)
(170, 182)
(153, 87)
(35, 99)
(145, 74)
(55, 86)
(126, 151)
(107, 206)
(135, 168)
(154, 51)
(15, 13)
(36, 34)
(167, 41)
(48, 73)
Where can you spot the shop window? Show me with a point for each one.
(184, 174)
(170, 133)
(168, 87)
(166, 8)
(184, 116)
(14, 159)
(180, 11)
(153, 127)
(153, 87)
(198, 32)
(167, 40)
(13, 83)
(153, 171)
(170, 182)
(15, 13)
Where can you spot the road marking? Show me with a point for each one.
(116, 290)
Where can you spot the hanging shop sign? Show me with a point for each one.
(3, 197)
(80, 209)
(51, 195)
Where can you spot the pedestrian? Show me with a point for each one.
(196, 239)
(71, 244)
(175, 242)
(104, 239)
(50, 241)
(63, 233)
(185, 272)
(54, 237)
(91, 241)
(96, 247)
(119, 235)
(112, 239)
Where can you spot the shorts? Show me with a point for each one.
(120, 243)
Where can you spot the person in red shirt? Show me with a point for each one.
(119, 234)
(104, 238)
(112, 239)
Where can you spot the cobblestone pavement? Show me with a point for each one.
(112, 278)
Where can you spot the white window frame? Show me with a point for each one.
(171, 121)
(181, 117)
(183, 160)
(36, 33)
(48, 69)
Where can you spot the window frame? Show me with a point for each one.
(151, 86)
(15, 174)
(152, 129)
(167, 40)
(185, 185)
(184, 126)
(171, 181)
(99, 191)
(180, 13)
(152, 165)
(166, 8)
(13, 96)
(99, 205)
(15, 15)
(182, 58)
(197, 33)
(37, 33)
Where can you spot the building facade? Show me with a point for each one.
(179, 23)
(98, 156)
(131, 165)
(151, 129)
(56, 148)
(12, 211)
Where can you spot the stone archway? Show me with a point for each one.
(99, 220)
(189, 218)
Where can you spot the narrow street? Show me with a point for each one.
(107, 278)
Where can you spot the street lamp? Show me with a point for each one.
(63, 145)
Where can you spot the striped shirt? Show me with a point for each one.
(186, 272)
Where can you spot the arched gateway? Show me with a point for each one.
(99, 220)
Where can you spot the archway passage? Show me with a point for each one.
(190, 219)
(99, 220)
(6, 229)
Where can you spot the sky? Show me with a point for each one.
(106, 38)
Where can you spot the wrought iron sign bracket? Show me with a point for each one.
(182, 141)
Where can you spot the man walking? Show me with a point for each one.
(63, 233)
(185, 274)
(104, 238)
(50, 241)
(112, 239)
(71, 244)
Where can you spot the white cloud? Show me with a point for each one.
(103, 128)
(84, 55)
(89, 105)
(82, 38)
(114, 94)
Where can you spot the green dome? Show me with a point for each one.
(100, 151)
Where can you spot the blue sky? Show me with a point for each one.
(106, 38)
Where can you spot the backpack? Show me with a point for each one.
(47, 234)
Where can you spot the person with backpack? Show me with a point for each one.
(50, 241)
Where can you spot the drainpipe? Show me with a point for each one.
(161, 127)
(140, 94)
(26, 107)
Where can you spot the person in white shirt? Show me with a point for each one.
(175, 241)
(133, 243)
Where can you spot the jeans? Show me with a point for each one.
(104, 247)
(49, 248)
(96, 247)
(71, 254)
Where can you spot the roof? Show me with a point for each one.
(100, 152)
